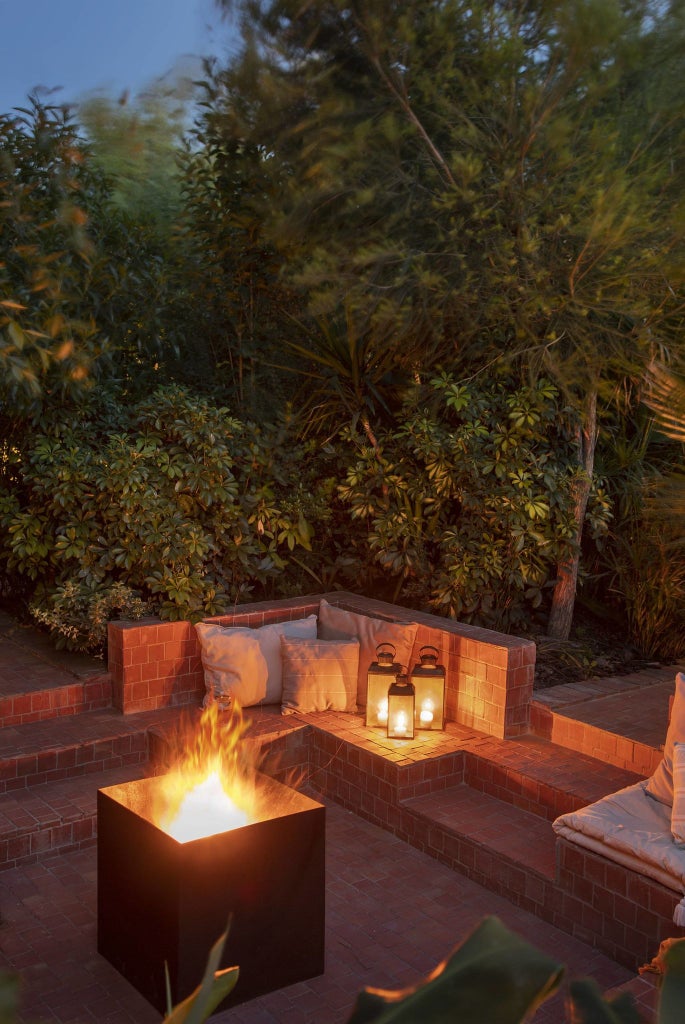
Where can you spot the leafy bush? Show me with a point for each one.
(638, 570)
(176, 506)
(82, 287)
(48, 337)
(648, 575)
(77, 613)
(468, 502)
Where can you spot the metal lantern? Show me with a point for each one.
(381, 673)
(428, 679)
(401, 708)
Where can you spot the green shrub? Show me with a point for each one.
(76, 613)
(468, 503)
(177, 507)
(649, 578)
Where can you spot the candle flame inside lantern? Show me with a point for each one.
(401, 724)
(383, 711)
(427, 712)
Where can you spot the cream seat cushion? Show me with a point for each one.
(660, 785)
(631, 829)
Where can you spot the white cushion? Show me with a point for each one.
(319, 675)
(245, 664)
(630, 829)
(660, 785)
(337, 624)
(678, 809)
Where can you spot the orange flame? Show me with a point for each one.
(210, 788)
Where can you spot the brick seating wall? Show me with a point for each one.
(603, 903)
(625, 914)
(157, 664)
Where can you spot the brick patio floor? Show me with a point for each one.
(48, 934)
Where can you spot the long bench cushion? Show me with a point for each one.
(633, 829)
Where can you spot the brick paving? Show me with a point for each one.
(373, 937)
(634, 705)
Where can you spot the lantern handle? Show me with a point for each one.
(386, 643)
(426, 648)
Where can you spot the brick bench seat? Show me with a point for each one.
(408, 786)
(489, 685)
(485, 808)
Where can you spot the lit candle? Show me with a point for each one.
(426, 714)
(401, 723)
(383, 712)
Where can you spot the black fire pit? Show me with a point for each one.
(161, 901)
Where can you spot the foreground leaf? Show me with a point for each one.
(215, 986)
(590, 1007)
(493, 976)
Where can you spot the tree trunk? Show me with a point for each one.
(564, 597)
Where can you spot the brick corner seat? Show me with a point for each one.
(157, 664)
(489, 687)
(632, 840)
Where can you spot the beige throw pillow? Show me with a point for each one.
(660, 785)
(319, 675)
(245, 664)
(678, 809)
(336, 624)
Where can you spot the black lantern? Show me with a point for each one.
(381, 673)
(401, 708)
(428, 679)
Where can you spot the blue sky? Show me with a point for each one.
(106, 45)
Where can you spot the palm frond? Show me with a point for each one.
(666, 398)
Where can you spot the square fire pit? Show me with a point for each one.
(160, 900)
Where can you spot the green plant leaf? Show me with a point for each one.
(590, 1007)
(215, 986)
(672, 998)
(9, 997)
(493, 976)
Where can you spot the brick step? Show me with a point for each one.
(55, 817)
(621, 720)
(66, 695)
(59, 815)
(541, 777)
(568, 729)
(61, 748)
(495, 843)
(516, 854)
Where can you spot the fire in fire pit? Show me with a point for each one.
(179, 854)
(211, 785)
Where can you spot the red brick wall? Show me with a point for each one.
(625, 914)
(489, 675)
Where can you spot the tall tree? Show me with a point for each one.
(137, 143)
(48, 337)
(231, 298)
(485, 181)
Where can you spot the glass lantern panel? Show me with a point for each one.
(430, 701)
(379, 679)
(400, 716)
